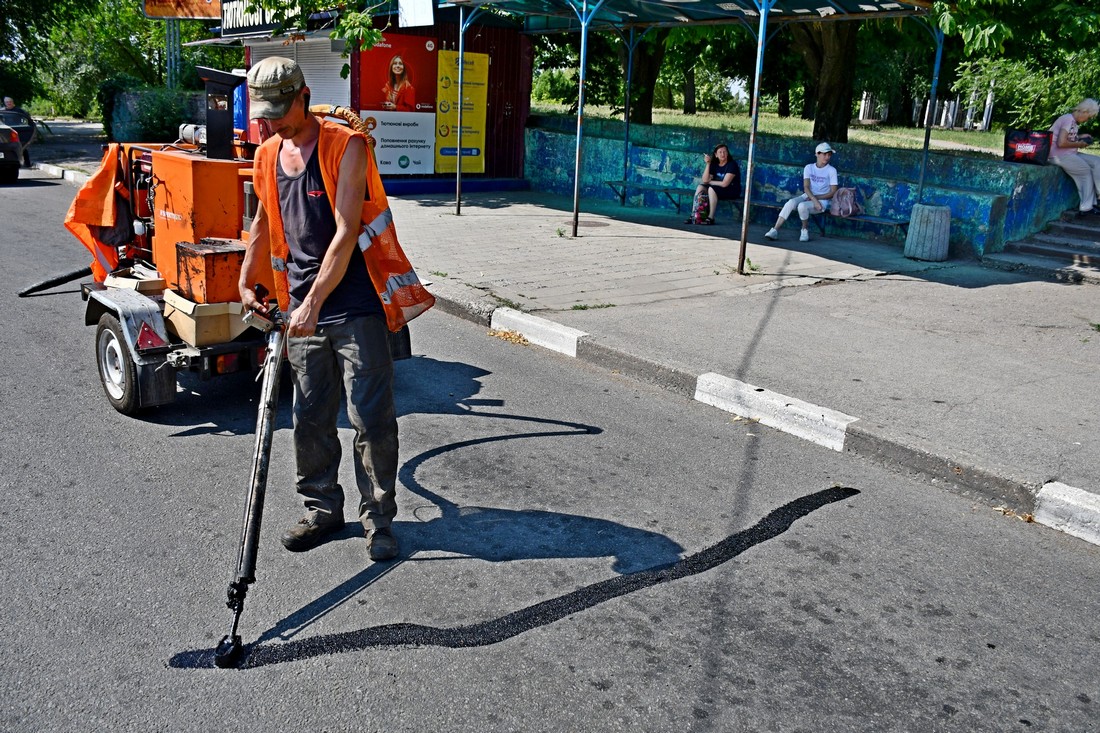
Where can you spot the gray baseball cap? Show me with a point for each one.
(272, 86)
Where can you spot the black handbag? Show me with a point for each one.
(1027, 146)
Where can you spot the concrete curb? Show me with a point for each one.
(74, 177)
(1053, 504)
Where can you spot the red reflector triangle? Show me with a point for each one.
(148, 338)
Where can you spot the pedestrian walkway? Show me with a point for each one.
(981, 379)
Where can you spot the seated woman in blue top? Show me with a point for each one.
(721, 179)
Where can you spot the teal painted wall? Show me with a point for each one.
(991, 202)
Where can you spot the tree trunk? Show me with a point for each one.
(689, 90)
(647, 65)
(829, 52)
(784, 109)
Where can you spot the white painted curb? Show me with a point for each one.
(817, 424)
(1070, 510)
(539, 331)
(75, 177)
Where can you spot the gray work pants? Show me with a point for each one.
(351, 359)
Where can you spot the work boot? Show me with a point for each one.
(381, 544)
(311, 530)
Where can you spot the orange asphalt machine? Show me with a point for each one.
(167, 225)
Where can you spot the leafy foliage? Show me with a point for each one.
(107, 94)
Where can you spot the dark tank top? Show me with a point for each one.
(309, 225)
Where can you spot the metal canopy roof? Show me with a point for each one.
(562, 15)
(548, 16)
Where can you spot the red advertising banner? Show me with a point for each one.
(398, 74)
(183, 9)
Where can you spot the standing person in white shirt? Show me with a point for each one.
(819, 184)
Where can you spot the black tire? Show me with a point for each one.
(9, 175)
(117, 371)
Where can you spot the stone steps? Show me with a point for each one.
(1068, 250)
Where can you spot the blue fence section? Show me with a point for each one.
(991, 201)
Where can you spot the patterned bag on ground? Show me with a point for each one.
(702, 206)
(844, 203)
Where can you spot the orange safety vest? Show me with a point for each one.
(403, 296)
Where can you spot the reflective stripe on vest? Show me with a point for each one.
(381, 222)
(396, 282)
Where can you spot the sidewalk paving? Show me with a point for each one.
(983, 380)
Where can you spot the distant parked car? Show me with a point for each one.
(11, 154)
(22, 123)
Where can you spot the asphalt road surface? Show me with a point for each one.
(579, 552)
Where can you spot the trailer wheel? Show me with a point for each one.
(117, 370)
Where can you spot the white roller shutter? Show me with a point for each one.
(320, 64)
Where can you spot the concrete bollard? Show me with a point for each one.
(929, 233)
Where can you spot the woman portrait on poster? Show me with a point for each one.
(398, 93)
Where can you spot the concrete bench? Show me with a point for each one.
(672, 193)
(676, 195)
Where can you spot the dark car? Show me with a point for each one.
(11, 154)
(22, 123)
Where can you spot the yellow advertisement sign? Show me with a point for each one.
(475, 87)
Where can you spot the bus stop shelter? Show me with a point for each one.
(632, 18)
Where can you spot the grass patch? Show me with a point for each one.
(507, 303)
(972, 142)
(586, 307)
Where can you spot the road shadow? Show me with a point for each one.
(512, 624)
(228, 404)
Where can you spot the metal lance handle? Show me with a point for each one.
(230, 649)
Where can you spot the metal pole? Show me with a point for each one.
(765, 7)
(172, 51)
(626, 111)
(461, 65)
(580, 119)
(585, 17)
(938, 35)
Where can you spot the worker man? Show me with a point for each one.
(311, 224)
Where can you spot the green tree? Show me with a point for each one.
(23, 25)
(115, 38)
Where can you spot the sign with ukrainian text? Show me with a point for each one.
(239, 20)
(475, 89)
(397, 99)
(402, 141)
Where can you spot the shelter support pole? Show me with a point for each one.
(463, 24)
(765, 7)
(937, 35)
(631, 44)
(585, 15)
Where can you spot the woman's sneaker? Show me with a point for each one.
(771, 234)
(804, 236)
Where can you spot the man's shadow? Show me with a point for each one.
(485, 533)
